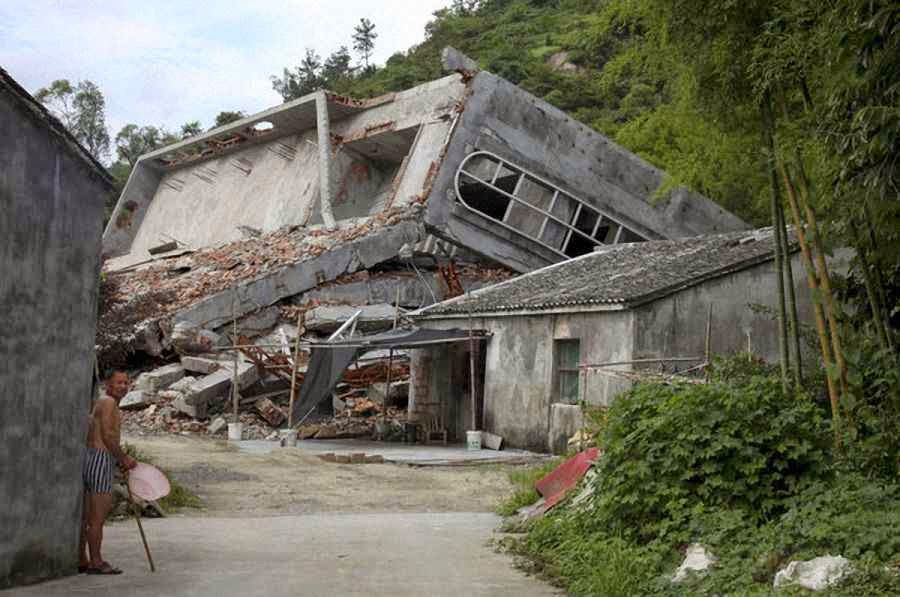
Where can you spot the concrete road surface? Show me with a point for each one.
(316, 554)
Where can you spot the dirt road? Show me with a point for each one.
(233, 483)
(289, 524)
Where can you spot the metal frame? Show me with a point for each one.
(547, 214)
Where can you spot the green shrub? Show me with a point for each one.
(672, 451)
(524, 479)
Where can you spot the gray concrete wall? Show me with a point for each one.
(676, 325)
(506, 120)
(273, 181)
(519, 384)
(51, 215)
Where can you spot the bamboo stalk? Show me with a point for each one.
(817, 306)
(793, 321)
(768, 135)
(861, 251)
(824, 279)
(879, 282)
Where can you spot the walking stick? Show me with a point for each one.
(137, 519)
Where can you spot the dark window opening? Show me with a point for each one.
(483, 198)
(628, 236)
(586, 220)
(579, 245)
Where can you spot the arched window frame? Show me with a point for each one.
(570, 229)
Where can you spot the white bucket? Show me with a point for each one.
(288, 438)
(473, 440)
(235, 431)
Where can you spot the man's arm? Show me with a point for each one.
(109, 430)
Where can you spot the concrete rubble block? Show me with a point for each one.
(196, 411)
(330, 318)
(326, 432)
(342, 458)
(217, 425)
(137, 400)
(358, 458)
(189, 338)
(816, 574)
(200, 365)
(159, 379)
(258, 323)
(267, 409)
(307, 431)
(374, 459)
(218, 384)
(696, 560)
(399, 390)
(148, 339)
(183, 385)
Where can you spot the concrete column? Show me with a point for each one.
(323, 126)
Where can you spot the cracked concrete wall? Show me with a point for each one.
(506, 120)
(51, 216)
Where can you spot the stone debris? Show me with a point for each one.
(697, 560)
(137, 399)
(273, 415)
(816, 574)
(159, 379)
(200, 365)
(187, 338)
(218, 425)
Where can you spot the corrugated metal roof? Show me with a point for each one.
(618, 274)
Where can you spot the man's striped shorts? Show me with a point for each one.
(97, 471)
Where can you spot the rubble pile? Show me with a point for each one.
(195, 396)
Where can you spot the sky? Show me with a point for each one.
(164, 62)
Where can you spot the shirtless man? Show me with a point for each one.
(103, 450)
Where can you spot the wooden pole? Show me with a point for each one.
(235, 397)
(387, 386)
(294, 370)
(137, 519)
(397, 308)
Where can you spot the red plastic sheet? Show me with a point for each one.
(565, 477)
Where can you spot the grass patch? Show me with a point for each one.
(523, 479)
(179, 497)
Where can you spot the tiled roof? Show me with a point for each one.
(624, 275)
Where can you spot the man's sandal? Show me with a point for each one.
(106, 568)
(82, 568)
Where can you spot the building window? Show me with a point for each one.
(568, 353)
(535, 208)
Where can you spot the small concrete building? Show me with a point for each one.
(52, 196)
(620, 303)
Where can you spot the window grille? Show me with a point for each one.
(535, 208)
(567, 353)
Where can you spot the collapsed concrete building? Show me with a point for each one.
(401, 200)
(52, 195)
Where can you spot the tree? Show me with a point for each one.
(304, 79)
(133, 141)
(364, 39)
(337, 66)
(191, 129)
(226, 117)
(82, 110)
